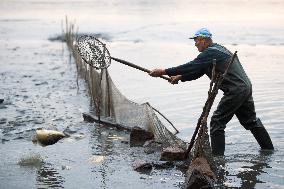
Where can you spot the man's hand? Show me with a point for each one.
(175, 79)
(157, 72)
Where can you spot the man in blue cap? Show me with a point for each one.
(237, 88)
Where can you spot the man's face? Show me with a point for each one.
(200, 44)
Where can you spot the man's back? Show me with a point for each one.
(236, 78)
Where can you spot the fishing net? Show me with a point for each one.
(111, 105)
(92, 59)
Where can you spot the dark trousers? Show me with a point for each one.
(240, 104)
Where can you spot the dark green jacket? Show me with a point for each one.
(236, 79)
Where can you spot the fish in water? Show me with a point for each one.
(47, 137)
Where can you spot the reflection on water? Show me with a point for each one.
(48, 177)
(249, 177)
(107, 142)
(104, 148)
(104, 145)
(246, 167)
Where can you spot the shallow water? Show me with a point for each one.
(39, 86)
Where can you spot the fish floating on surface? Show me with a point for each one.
(47, 137)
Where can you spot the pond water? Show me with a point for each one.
(40, 89)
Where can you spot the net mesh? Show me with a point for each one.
(93, 52)
(201, 147)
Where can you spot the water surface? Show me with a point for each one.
(40, 89)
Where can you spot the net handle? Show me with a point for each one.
(137, 67)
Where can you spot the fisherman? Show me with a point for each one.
(236, 86)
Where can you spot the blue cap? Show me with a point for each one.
(203, 32)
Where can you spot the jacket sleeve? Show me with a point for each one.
(193, 69)
(191, 76)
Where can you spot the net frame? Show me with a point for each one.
(93, 52)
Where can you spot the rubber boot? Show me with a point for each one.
(218, 143)
(262, 137)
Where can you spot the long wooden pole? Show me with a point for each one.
(137, 67)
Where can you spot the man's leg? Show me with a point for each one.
(247, 117)
(224, 113)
